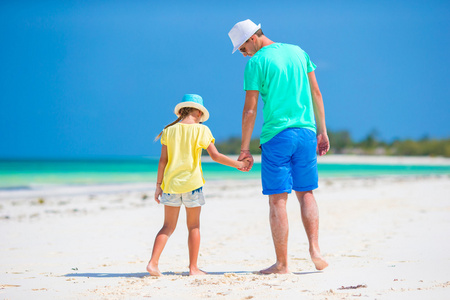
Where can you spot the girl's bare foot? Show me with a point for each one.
(196, 271)
(275, 269)
(153, 269)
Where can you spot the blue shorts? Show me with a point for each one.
(189, 199)
(289, 162)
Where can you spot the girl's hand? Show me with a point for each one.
(158, 193)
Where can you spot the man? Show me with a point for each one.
(294, 129)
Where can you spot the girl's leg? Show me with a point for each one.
(193, 224)
(170, 222)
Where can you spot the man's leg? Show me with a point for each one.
(280, 231)
(310, 218)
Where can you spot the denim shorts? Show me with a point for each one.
(289, 162)
(190, 199)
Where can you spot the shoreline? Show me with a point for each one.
(367, 159)
(384, 160)
(63, 190)
(326, 159)
(89, 174)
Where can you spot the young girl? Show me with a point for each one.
(180, 178)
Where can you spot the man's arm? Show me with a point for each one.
(248, 123)
(323, 144)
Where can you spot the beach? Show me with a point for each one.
(384, 237)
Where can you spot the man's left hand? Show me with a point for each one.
(323, 144)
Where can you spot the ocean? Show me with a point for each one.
(26, 174)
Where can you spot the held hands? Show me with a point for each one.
(158, 193)
(244, 164)
(323, 144)
(247, 159)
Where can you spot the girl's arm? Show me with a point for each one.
(225, 160)
(161, 167)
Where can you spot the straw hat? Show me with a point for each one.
(241, 32)
(195, 101)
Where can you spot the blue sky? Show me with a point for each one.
(101, 78)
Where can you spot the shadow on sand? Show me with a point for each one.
(145, 274)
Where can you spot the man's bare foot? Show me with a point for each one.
(275, 269)
(153, 269)
(196, 271)
(319, 262)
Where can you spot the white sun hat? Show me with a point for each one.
(241, 32)
(195, 101)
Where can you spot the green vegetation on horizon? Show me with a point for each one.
(342, 143)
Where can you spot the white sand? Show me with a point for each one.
(385, 238)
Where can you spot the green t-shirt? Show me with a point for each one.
(280, 73)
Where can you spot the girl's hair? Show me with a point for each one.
(184, 112)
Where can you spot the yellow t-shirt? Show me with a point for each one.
(184, 143)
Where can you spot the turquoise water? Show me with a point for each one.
(25, 173)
